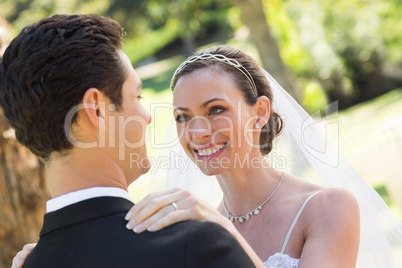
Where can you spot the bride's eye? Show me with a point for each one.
(181, 118)
(216, 110)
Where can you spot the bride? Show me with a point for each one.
(231, 116)
(223, 107)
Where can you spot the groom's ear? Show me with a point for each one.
(263, 108)
(94, 103)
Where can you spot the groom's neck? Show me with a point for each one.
(76, 171)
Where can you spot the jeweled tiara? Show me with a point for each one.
(216, 57)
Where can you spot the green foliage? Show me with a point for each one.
(339, 43)
(358, 43)
(146, 45)
(330, 45)
(150, 25)
(314, 98)
(234, 18)
(382, 191)
(23, 12)
(285, 30)
(390, 30)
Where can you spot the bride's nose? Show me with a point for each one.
(199, 129)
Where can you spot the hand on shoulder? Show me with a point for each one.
(161, 209)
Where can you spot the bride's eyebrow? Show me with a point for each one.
(205, 104)
(180, 108)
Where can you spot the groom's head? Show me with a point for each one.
(62, 77)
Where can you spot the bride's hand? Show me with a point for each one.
(161, 209)
(22, 255)
(158, 210)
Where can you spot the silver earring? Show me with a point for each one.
(257, 125)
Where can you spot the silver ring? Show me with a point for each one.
(175, 206)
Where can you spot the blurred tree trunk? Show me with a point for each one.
(187, 35)
(254, 18)
(23, 187)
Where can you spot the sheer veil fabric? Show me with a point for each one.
(308, 149)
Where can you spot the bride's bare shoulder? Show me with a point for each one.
(329, 224)
(332, 208)
(328, 203)
(332, 226)
(331, 199)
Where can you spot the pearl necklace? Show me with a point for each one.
(255, 211)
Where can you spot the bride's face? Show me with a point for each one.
(214, 123)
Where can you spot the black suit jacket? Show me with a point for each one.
(92, 233)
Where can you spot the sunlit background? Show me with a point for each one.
(321, 51)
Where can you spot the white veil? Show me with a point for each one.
(307, 149)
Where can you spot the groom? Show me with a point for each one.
(72, 96)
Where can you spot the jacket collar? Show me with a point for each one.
(84, 211)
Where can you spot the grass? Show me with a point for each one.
(371, 138)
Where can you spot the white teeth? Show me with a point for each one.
(209, 151)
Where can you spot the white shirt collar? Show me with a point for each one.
(84, 194)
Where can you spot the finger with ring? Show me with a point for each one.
(176, 208)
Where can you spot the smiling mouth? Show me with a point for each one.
(210, 151)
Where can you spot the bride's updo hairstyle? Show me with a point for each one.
(247, 76)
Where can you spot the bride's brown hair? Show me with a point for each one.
(275, 123)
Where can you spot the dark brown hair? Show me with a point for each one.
(47, 69)
(275, 123)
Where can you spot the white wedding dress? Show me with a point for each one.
(281, 260)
